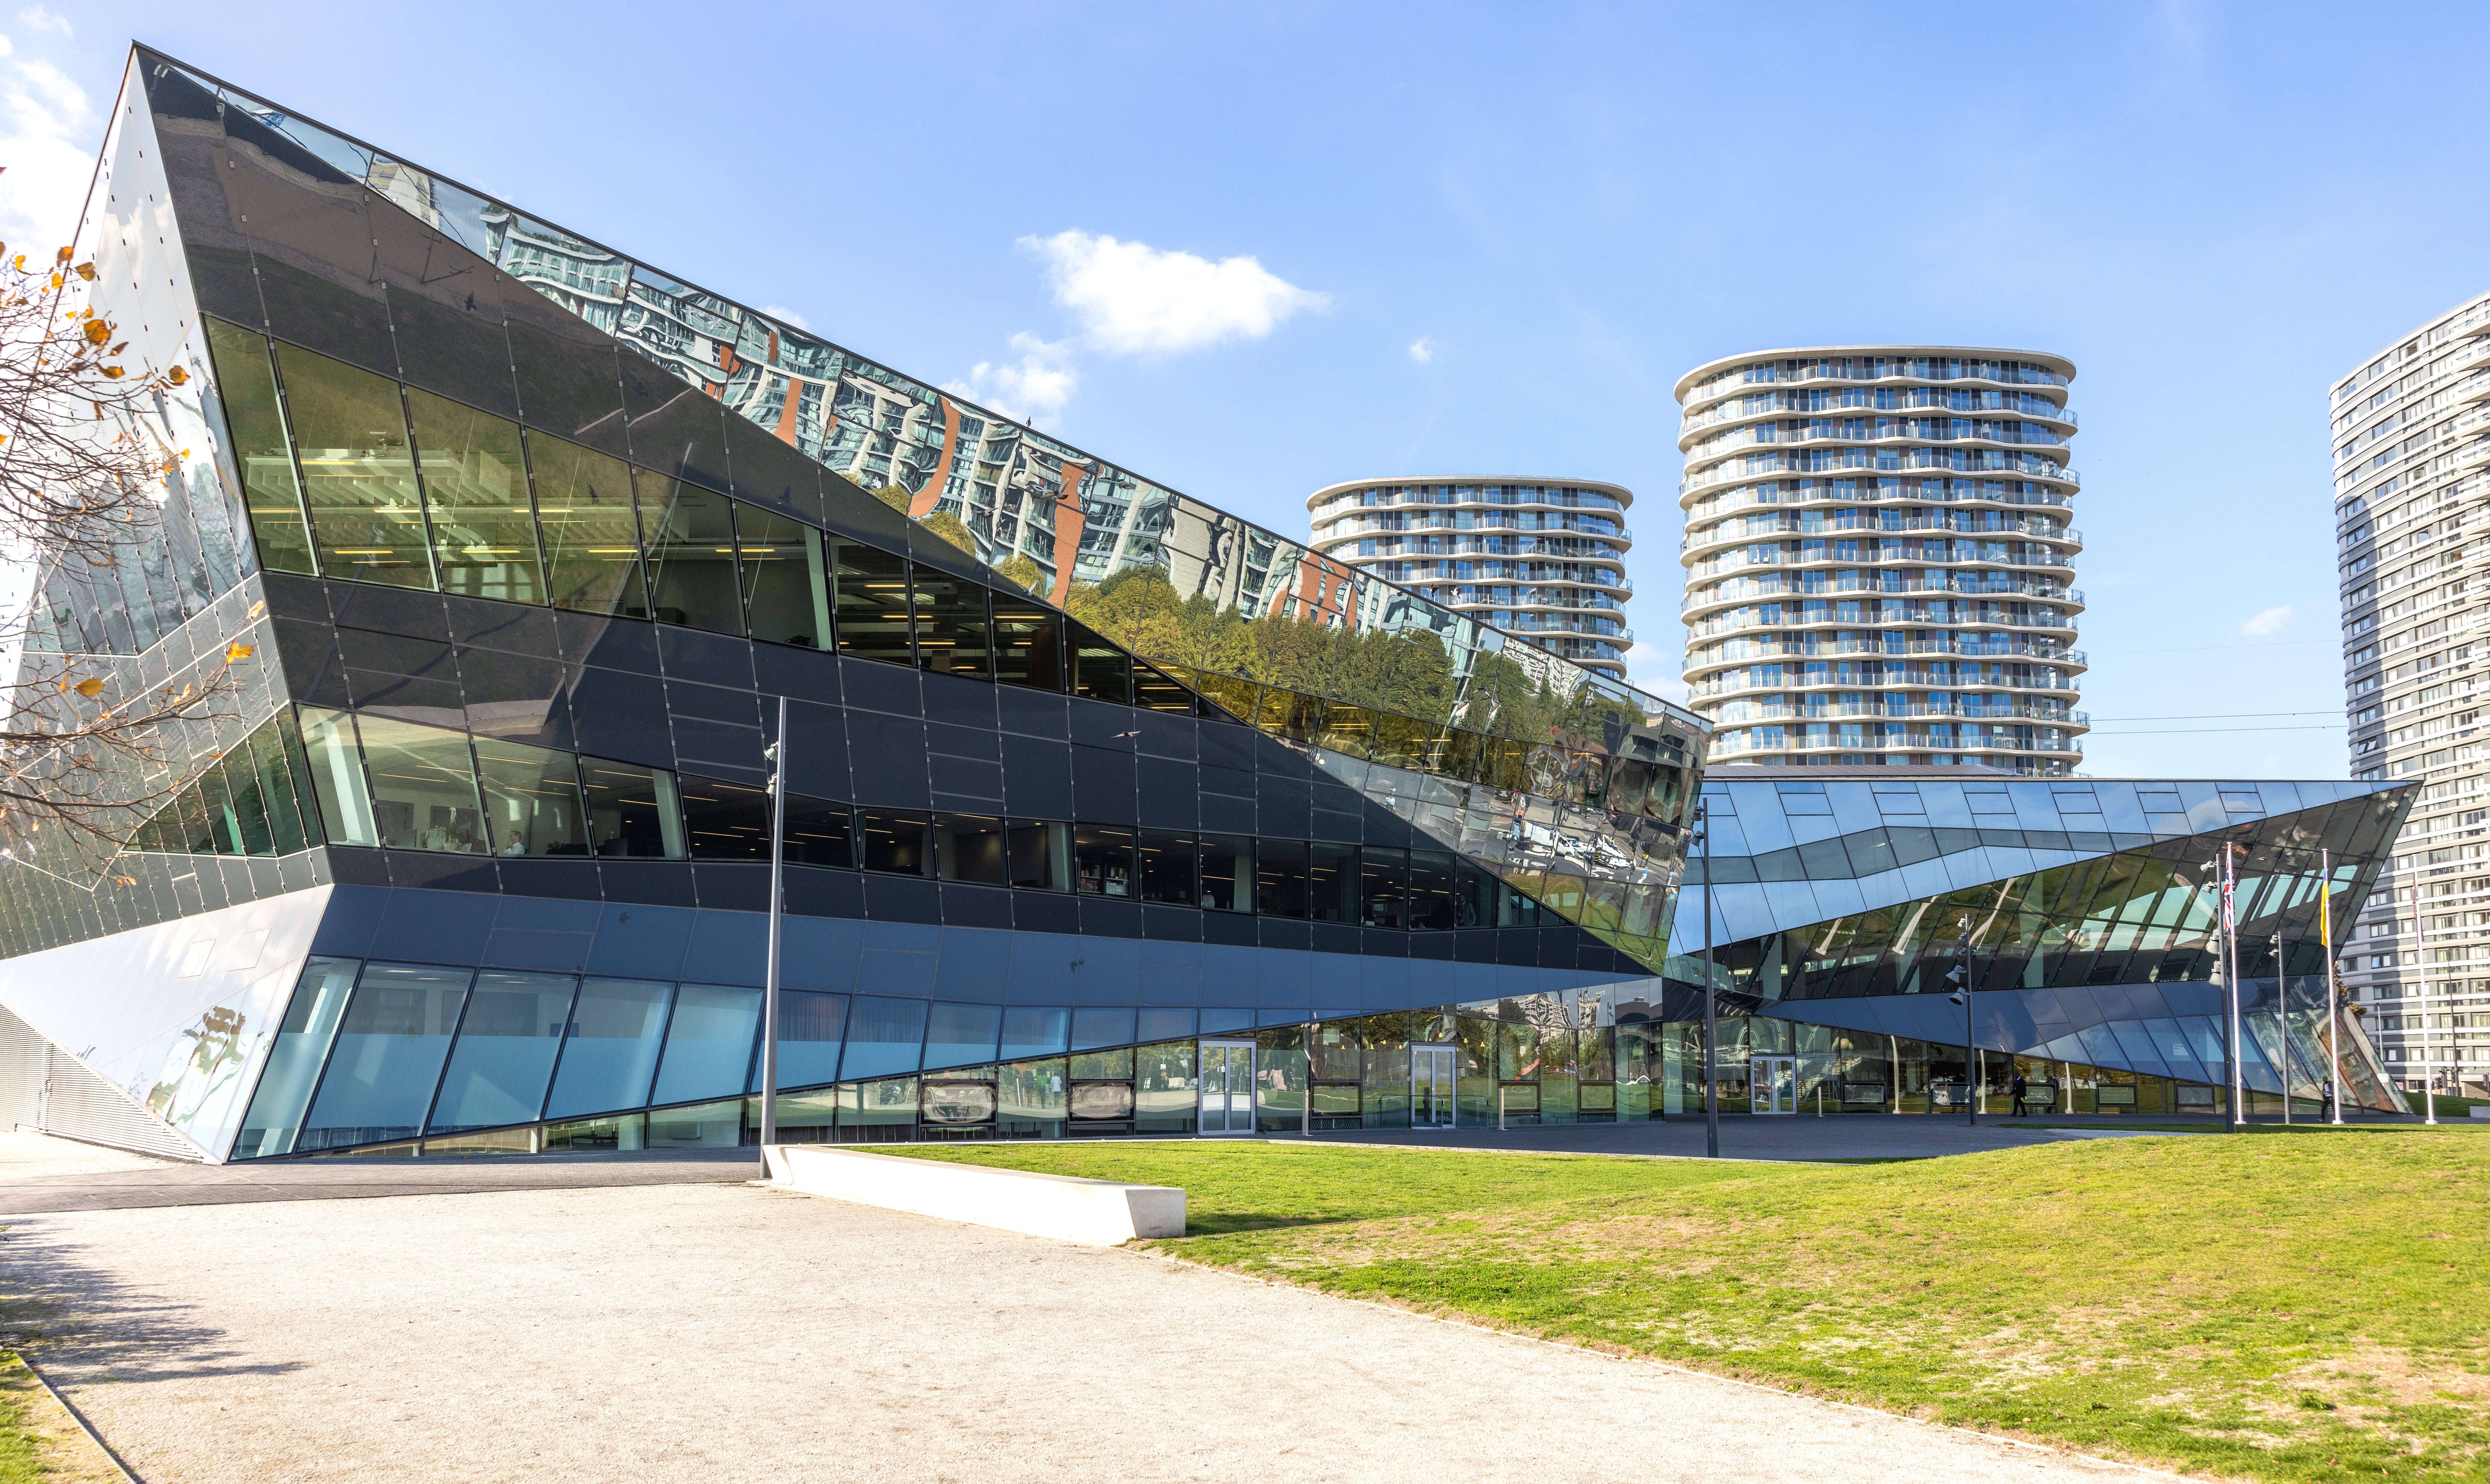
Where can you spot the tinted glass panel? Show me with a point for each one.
(710, 1041)
(612, 1048)
(531, 800)
(270, 490)
(1102, 861)
(389, 1054)
(1034, 1031)
(1280, 878)
(249, 816)
(970, 847)
(870, 590)
(632, 811)
(810, 1029)
(1028, 645)
(1228, 872)
(293, 1062)
(883, 1037)
(592, 538)
(1168, 870)
(505, 1054)
(358, 475)
(1041, 856)
(786, 581)
(1432, 907)
(268, 760)
(724, 821)
(1100, 671)
(338, 777)
(951, 625)
(475, 494)
(1475, 891)
(423, 787)
(818, 832)
(897, 841)
(1332, 883)
(1383, 897)
(962, 1034)
(1159, 693)
(1094, 1026)
(690, 536)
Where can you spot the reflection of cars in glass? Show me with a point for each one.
(1102, 1101)
(957, 1102)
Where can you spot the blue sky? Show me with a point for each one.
(2215, 210)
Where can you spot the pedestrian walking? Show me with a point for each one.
(2016, 1091)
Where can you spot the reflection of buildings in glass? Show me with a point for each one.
(577, 274)
(1541, 560)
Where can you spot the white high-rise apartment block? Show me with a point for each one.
(1878, 555)
(2412, 505)
(1538, 557)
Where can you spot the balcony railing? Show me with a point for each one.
(1891, 460)
(2027, 528)
(1731, 442)
(2024, 405)
(1740, 499)
(1988, 586)
(1734, 683)
(1884, 708)
(1738, 561)
(1730, 624)
(1811, 643)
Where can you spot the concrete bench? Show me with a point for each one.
(1098, 1214)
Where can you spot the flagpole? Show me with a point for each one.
(2333, 1007)
(2421, 988)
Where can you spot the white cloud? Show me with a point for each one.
(1132, 298)
(786, 317)
(2270, 621)
(49, 135)
(1422, 349)
(1034, 387)
(36, 18)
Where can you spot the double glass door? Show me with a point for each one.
(1226, 1086)
(1430, 1086)
(1773, 1085)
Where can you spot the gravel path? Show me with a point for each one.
(729, 1331)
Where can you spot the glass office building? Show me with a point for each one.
(507, 548)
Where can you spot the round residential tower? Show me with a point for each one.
(1878, 555)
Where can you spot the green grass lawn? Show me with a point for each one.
(2273, 1308)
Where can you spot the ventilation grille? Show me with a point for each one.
(43, 1087)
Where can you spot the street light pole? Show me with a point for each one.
(2334, 1001)
(1711, 1026)
(2231, 985)
(2283, 1024)
(776, 752)
(1971, 1069)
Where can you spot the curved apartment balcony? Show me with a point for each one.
(2010, 404)
(1702, 664)
(1727, 678)
(1860, 364)
(1728, 502)
(1722, 444)
(1989, 588)
(1347, 528)
(1695, 545)
(1740, 556)
(1881, 460)
(1730, 743)
(1733, 622)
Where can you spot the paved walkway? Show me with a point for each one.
(730, 1331)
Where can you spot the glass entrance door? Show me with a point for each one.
(1774, 1087)
(1226, 1086)
(1430, 1086)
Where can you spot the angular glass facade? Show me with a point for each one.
(525, 544)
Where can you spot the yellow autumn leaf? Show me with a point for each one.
(238, 651)
(63, 257)
(177, 376)
(98, 331)
(90, 688)
(112, 373)
(86, 271)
